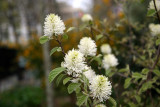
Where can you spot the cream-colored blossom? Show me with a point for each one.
(106, 49)
(74, 62)
(155, 29)
(87, 46)
(53, 25)
(109, 61)
(100, 88)
(86, 18)
(151, 4)
(89, 73)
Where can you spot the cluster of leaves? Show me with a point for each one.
(141, 85)
(141, 75)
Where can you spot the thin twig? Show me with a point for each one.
(92, 32)
(107, 36)
(121, 75)
(60, 43)
(158, 51)
(151, 98)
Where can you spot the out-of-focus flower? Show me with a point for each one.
(87, 18)
(100, 88)
(155, 29)
(53, 25)
(100, 105)
(151, 4)
(89, 73)
(87, 46)
(74, 62)
(109, 61)
(106, 49)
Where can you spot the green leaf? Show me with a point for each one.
(142, 1)
(86, 82)
(44, 39)
(131, 104)
(90, 23)
(66, 80)
(157, 72)
(59, 79)
(111, 74)
(82, 27)
(81, 99)
(99, 37)
(137, 75)
(107, 72)
(70, 29)
(113, 102)
(65, 36)
(145, 87)
(151, 12)
(53, 50)
(99, 55)
(72, 87)
(78, 90)
(55, 72)
(143, 57)
(145, 71)
(138, 98)
(123, 70)
(154, 79)
(59, 49)
(127, 82)
(158, 90)
(127, 69)
(98, 59)
(157, 42)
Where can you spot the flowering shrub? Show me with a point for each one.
(94, 85)
(91, 89)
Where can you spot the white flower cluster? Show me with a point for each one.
(155, 29)
(101, 88)
(74, 62)
(89, 73)
(86, 18)
(100, 105)
(87, 46)
(53, 25)
(151, 4)
(106, 49)
(109, 61)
